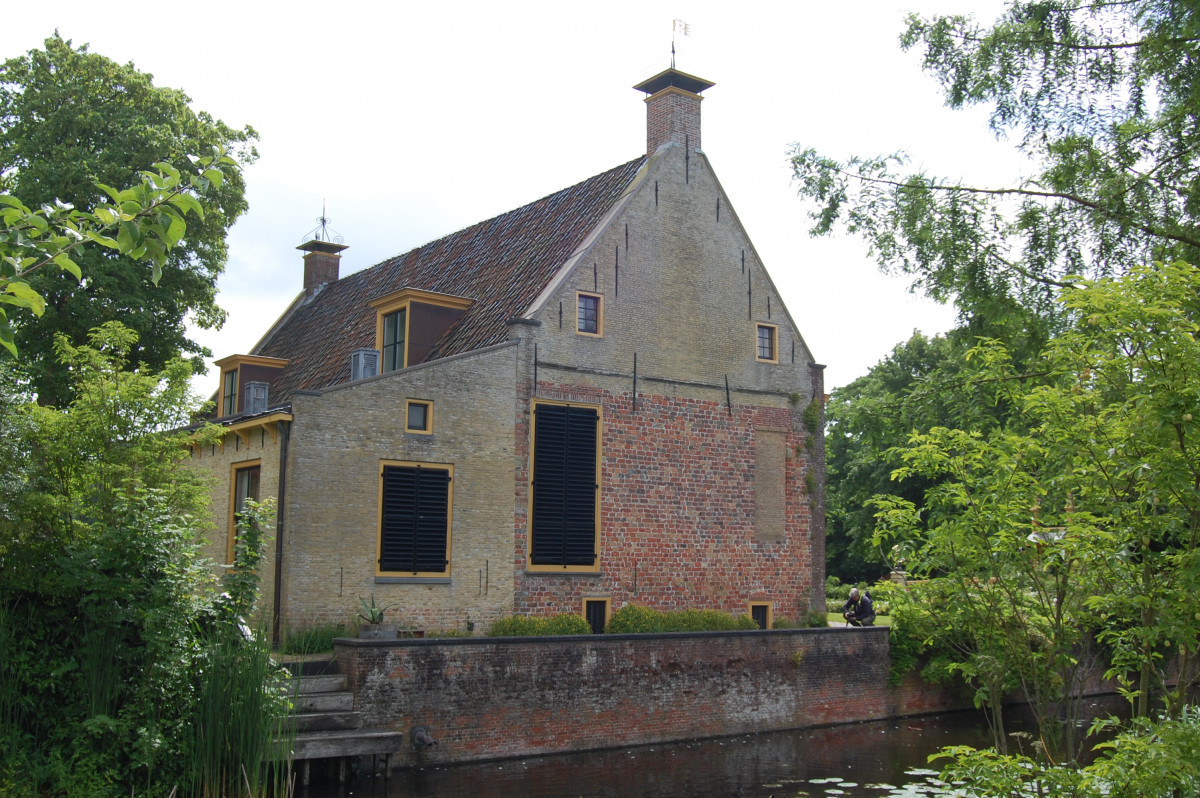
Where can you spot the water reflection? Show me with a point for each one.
(883, 758)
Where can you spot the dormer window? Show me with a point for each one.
(245, 383)
(410, 322)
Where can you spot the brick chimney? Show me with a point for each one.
(320, 264)
(673, 109)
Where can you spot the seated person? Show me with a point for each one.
(859, 610)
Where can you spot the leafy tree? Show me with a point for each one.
(1080, 513)
(69, 119)
(866, 420)
(1100, 96)
(143, 222)
(920, 384)
(123, 663)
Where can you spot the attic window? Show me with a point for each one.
(589, 317)
(768, 351)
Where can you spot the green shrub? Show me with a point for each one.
(636, 618)
(566, 624)
(817, 619)
(527, 626)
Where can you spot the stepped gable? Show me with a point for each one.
(502, 264)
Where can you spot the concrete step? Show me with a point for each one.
(326, 721)
(309, 665)
(357, 742)
(320, 684)
(324, 702)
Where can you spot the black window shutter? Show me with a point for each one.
(563, 520)
(416, 506)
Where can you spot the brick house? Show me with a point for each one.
(592, 400)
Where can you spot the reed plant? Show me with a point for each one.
(241, 734)
(314, 639)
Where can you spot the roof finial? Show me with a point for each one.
(684, 30)
(322, 232)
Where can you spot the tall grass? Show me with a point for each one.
(314, 639)
(241, 733)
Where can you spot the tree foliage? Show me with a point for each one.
(70, 119)
(1100, 96)
(1079, 515)
(124, 665)
(866, 420)
(143, 222)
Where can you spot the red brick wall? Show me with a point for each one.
(484, 698)
(672, 115)
(677, 510)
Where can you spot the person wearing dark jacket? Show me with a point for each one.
(859, 610)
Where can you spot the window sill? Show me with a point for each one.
(560, 571)
(412, 580)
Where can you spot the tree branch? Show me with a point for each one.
(1029, 192)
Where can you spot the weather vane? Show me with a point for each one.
(683, 29)
(322, 232)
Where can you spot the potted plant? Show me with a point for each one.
(375, 628)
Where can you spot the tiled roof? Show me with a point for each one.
(502, 264)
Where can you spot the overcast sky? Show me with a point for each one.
(412, 122)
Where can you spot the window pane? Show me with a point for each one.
(229, 393)
(418, 416)
(766, 343)
(589, 314)
(393, 340)
(246, 487)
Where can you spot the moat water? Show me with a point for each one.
(881, 759)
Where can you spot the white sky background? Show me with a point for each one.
(413, 122)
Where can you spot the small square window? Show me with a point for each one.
(418, 416)
(767, 348)
(589, 318)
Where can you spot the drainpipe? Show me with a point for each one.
(285, 430)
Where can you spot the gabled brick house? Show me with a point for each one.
(592, 400)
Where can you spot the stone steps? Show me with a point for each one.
(342, 701)
(350, 742)
(326, 725)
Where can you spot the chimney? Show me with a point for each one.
(673, 109)
(320, 264)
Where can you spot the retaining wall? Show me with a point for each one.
(485, 698)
